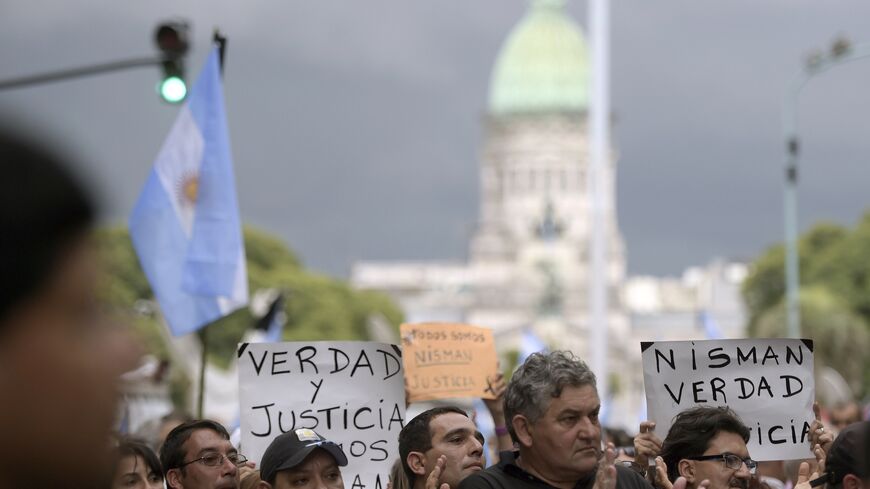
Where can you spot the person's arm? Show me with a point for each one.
(496, 410)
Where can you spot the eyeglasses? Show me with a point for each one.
(731, 461)
(215, 459)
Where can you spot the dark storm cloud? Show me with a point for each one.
(356, 125)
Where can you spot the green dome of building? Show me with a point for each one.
(543, 66)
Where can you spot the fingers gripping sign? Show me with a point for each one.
(818, 434)
(432, 480)
(647, 445)
(605, 478)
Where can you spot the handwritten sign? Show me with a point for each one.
(445, 360)
(767, 382)
(351, 393)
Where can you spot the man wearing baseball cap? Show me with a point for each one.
(846, 464)
(302, 459)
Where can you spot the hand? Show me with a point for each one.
(247, 468)
(432, 480)
(662, 481)
(498, 386)
(818, 434)
(605, 478)
(646, 444)
(681, 483)
(804, 476)
(821, 456)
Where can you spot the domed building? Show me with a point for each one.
(527, 275)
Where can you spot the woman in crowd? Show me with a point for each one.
(138, 467)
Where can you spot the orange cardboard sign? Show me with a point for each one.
(444, 360)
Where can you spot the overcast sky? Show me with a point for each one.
(355, 125)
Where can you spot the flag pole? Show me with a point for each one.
(203, 339)
(221, 42)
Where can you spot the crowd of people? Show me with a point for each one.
(555, 441)
(60, 363)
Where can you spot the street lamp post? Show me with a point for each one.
(841, 52)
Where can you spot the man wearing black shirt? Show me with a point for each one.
(551, 407)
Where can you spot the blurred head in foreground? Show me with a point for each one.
(59, 362)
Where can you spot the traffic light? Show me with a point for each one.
(171, 40)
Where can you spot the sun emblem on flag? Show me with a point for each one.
(188, 187)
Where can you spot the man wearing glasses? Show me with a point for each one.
(708, 443)
(198, 455)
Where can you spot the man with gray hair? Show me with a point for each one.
(551, 409)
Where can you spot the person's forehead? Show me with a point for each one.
(130, 463)
(580, 398)
(444, 423)
(726, 441)
(207, 439)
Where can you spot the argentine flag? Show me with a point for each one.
(185, 226)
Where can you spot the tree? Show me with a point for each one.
(840, 336)
(318, 307)
(834, 299)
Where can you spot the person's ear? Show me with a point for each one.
(417, 462)
(173, 479)
(850, 481)
(686, 468)
(523, 428)
(264, 485)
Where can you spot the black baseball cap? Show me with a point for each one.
(847, 455)
(290, 449)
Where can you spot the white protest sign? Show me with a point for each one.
(767, 382)
(350, 392)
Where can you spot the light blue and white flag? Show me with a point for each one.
(711, 327)
(531, 343)
(185, 226)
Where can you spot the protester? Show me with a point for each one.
(624, 444)
(198, 455)
(443, 444)
(552, 409)
(59, 361)
(846, 465)
(398, 478)
(250, 480)
(138, 466)
(495, 407)
(709, 443)
(302, 459)
(844, 414)
(648, 446)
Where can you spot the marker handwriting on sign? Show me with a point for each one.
(767, 382)
(349, 392)
(718, 357)
(788, 387)
(302, 361)
(422, 334)
(431, 357)
(271, 418)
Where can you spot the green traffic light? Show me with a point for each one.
(173, 89)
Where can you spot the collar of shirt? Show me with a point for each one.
(510, 467)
